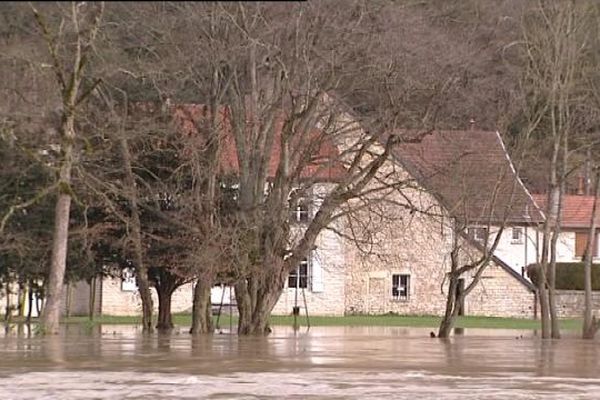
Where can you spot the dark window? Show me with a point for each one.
(299, 211)
(517, 235)
(400, 286)
(299, 277)
(478, 233)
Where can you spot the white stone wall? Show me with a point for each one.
(518, 254)
(498, 294)
(118, 302)
(329, 301)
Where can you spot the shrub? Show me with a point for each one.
(569, 276)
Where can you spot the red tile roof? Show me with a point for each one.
(323, 163)
(576, 210)
(464, 169)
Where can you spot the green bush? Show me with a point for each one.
(569, 276)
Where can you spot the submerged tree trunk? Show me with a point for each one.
(451, 312)
(136, 237)
(255, 301)
(554, 327)
(22, 297)
(165, 318)
(68, 300)
(202, 322)
(546, 272)
(29, 302)
(92, 299)
(7, 310)
(590, 325)
(54, 289)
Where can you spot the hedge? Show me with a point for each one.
(569, 276)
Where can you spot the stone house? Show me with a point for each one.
(459, 177)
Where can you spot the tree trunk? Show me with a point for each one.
(590, 325)
(29, 302)
(165, 318)
(68, 300)
(450, 314)
(54, 290)
(202, 322)
(22, 296)
(544, 309)
(255, 302)
(7, 311)
(554, 327)
(136, 237)
(92, 301)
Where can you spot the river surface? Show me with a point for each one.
(118, 362)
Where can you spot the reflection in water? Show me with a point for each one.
(334, 362)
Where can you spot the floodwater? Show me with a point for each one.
(118, 362)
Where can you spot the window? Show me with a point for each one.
(517, 236)
(299, 211)
(128, 283)
(478, 233)
(298, 278)
(400, 286)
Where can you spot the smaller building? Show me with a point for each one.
(575, 220)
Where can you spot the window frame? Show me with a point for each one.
(300, 212)
(520, 238)
(301, 280)
(128, 280)
(474, 233)
(396, 293)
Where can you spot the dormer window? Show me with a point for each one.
(299, 211)
(517, 235)
(478, 233)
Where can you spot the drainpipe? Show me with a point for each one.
(525, 260)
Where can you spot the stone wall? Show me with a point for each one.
(115, 301)
(570, 303)
(79, 298)
(328, 300)
(499, 294)
(325, 292)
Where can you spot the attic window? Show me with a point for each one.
(478, 233)
(517, 236)
(299, 211)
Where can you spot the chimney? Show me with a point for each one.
(588, 172)
(472, 124)
(580, 185)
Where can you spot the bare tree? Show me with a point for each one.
(590, 323)
(69, 69)
(556, 41)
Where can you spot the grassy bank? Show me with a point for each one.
(359, 320)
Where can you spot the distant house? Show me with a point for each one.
(576, 213)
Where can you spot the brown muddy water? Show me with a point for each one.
(118, 362)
